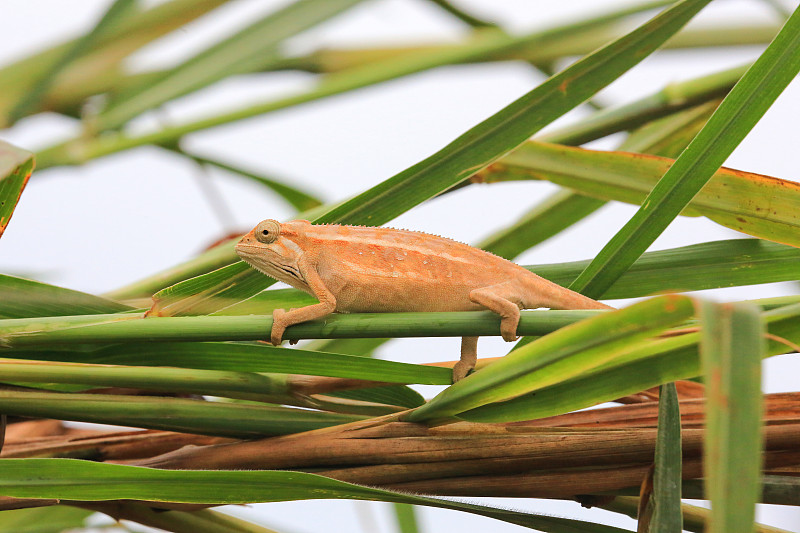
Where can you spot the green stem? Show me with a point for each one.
(18, 333)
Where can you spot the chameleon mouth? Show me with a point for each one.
(246, 251)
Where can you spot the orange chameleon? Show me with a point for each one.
(353, 269)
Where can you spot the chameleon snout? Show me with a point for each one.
(248, 241)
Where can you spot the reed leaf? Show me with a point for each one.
(737, 114)
(24, 298)
(86, 481)
(758, 205)
(650, 365)
(16, 166)
(558, 357)
(731, 349)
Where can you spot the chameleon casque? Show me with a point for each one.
(352, 269)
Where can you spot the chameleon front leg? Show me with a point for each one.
(469, 357)
(282, 319)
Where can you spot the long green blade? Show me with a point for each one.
(667, 515)
(507, 129)
(89, 74)
(54, 519)
(742, 108)
(356, 78)
(759, 205)
(731, 349)
(554, 214)
(296, 197)
(249, 49)
(24, 298)
(559, 356)
(227, 356)
(665, 137)
(70, 479)
(114, 16)
(666, 360)
(16, 166)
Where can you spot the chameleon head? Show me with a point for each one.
(269, 247)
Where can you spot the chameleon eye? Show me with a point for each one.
(267, 231)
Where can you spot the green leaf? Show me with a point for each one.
(364, 347)
(566, 207)
(55, 519)
(237, 357)
(759, 205)
(31, 98)
(672, 98)
(16, 166)
(297, 198)
(197, 521)
(695, 267)
(247, 50)
(94, 72)
(731, 349)
(507, 129)
(170, 414)
(71, 479)
(670, 135)
(23, 298)
(210, 292)
(737, 114)
(643, 367)
(667, 514)
(80, 150)
(391, 395)
(267, 301)
(557, 212)
(406, 518)
(559, 356)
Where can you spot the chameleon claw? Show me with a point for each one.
(461, 370)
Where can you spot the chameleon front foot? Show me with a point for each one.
(278, 326)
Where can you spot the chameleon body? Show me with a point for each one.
(352, 269)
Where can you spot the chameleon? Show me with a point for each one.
(355, 269)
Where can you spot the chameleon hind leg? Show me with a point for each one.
(502, 299)
(469, 356)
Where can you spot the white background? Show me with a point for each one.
(126, 216)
